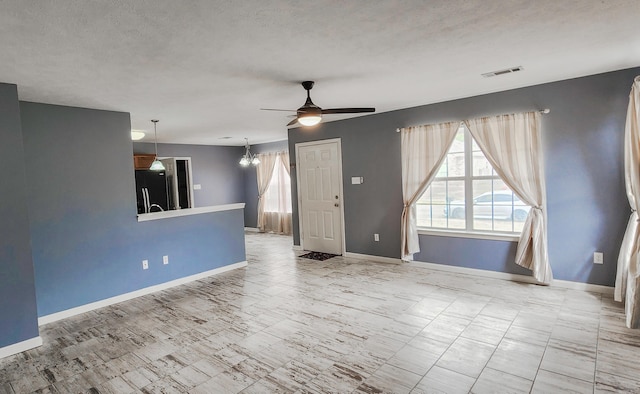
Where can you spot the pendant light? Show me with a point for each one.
(248, 158)
(157, 164)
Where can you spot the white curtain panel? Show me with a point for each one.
(277, 210)
(277, 222)
(264, 171)
(423, 150)
(628, 274)
(284, 157)
(512, 144)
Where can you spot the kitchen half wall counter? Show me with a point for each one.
(189, 211)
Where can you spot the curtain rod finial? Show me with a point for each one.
(545, 111)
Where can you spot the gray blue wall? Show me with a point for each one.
(18, 316)
(86, 242)
(251, 182)
(215, 168)
(583, 150)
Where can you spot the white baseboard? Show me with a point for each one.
(515, 277)
(134, 294)
(252, 229)
(20, 347)
(377, 259)
(583, 286)
(297, 247)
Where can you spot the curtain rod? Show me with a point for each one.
(542, 111)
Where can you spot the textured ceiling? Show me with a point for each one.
(205, 68)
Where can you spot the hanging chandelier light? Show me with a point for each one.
(248, 158)
(157, 164)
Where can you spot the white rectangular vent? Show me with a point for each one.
(502, 72)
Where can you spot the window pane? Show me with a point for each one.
(458, 142)
(424, 209)
(482, 204)
(496, 208)
(453, 164)
(480, 164)
(432, 208)
(454, 208)
(443, 170)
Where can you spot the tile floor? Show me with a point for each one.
(285, 324)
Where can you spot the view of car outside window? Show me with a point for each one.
(494, 207)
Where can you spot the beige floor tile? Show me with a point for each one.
(618, 359)
(445, 328)
(391, 379)
(482, 333)
(550, 382)
(440, 380)
(414, 360)
(608, 383)
(287, 324)
(504, 311)
(466, 356)
(527, 335)
(517, 358)
(493, 381)
(227, 382)
(573, 360)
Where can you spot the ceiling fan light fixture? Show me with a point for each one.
(310, 114)
(309, 119)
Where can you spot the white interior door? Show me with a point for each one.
(319, 195)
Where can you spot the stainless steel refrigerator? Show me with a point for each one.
(151, 191)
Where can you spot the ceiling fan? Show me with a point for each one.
(310, 114)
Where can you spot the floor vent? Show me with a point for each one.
(502, 72)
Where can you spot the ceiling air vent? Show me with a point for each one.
(502, 72)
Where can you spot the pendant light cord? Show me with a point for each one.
(155, 135)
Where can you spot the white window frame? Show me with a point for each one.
(468, 179)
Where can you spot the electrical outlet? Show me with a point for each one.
(165, 260)
(376, 237)
(145, 264)
(598, 258)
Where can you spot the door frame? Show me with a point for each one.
(190, 175)
(338, 142)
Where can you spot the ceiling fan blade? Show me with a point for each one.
(275, 109)
(347, 110)
(292, 122)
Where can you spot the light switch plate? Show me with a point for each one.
(598, 258)
(197, 186)
(357, 180)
